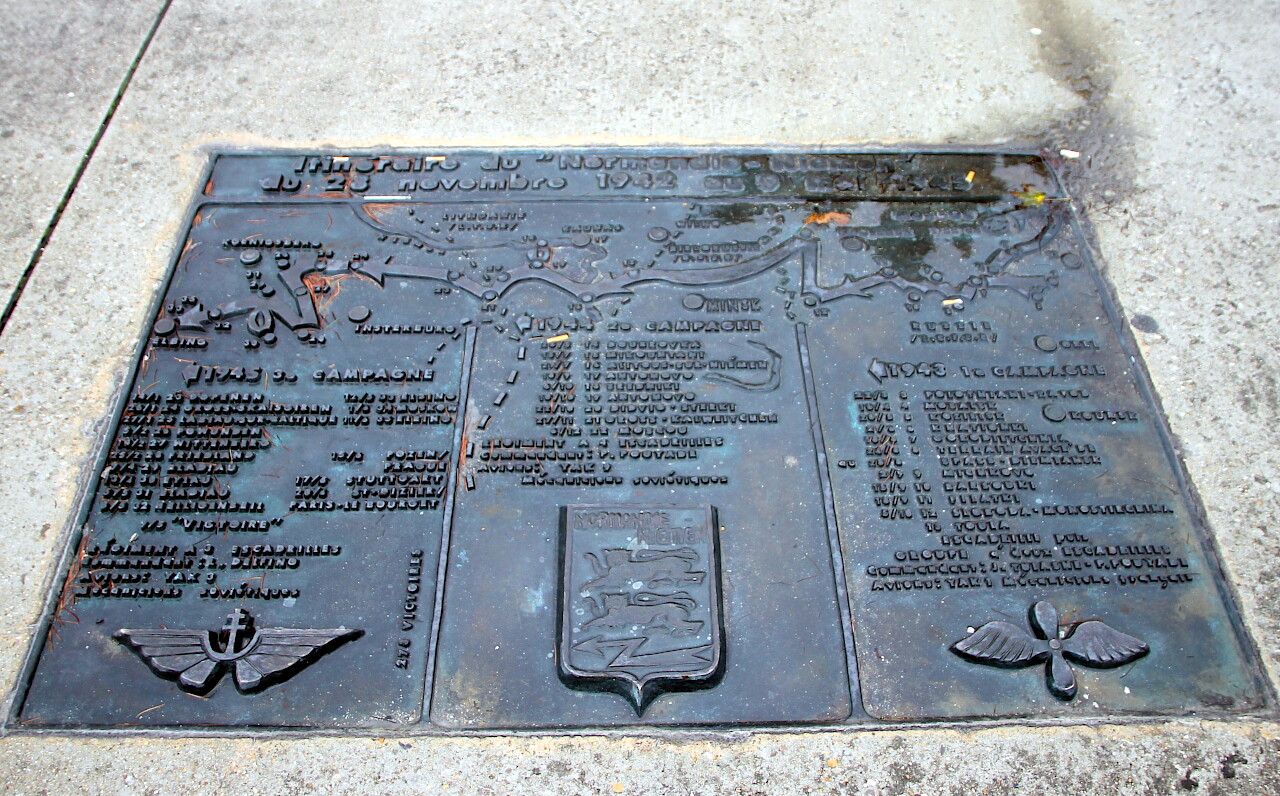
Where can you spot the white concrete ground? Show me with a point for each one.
(1175, 106)
(61, 64)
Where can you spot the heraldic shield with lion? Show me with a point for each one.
(640, 607)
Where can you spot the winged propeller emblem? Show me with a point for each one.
(1090, 643)
(258, 657)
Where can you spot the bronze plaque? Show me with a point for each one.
(470, 440)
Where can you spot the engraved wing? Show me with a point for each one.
(278, 653)
(1095, 643)
(184, 653)
(1001, 644)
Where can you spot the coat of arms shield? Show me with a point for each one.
(640, 609)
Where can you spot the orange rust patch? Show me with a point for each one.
(324, 298)
(839, 219)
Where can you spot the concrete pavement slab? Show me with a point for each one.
(1171, 107)
(61, 65)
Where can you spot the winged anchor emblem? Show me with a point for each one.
(1090, 643)
(258, 657)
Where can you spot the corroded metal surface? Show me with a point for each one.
(475, 440)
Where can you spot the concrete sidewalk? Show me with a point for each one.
(61, 68)
(1175, 107)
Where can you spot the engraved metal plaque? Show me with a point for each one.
(468, 440)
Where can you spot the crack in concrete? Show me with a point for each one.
(52, 226)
